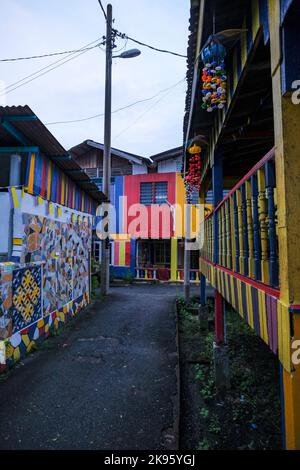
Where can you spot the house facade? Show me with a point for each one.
(48, 205)
(148, 196)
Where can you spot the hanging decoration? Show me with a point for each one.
(214, 79)
(192, 179)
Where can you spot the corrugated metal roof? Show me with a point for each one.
(172, 153)
(80, 149)
(34, 133)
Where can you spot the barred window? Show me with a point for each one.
(161, 192)
(154, 193)
(146, 194)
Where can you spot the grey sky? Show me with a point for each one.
(76, 90)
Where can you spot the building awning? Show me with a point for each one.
(22, 131)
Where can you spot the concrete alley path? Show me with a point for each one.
(107, 382)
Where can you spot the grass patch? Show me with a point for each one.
(249, 415)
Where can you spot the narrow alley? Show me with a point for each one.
(108, 381)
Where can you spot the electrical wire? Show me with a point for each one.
(49, 65)
(150, 108)
(46, 69)
(116, 110)
(102, 8)
(123, 35)
(51, 54)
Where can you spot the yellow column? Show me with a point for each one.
(121, 253)
(287, 131)
(174, 258)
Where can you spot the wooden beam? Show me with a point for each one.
(287, 131)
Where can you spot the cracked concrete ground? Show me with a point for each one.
(107, 382)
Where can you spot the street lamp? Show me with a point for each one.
(128, 54)
(105, 255)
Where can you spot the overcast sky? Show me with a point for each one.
(76, 90)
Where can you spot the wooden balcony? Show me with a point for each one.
(239, 256)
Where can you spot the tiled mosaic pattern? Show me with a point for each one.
(5, 300)
(64, 248)
(48, 286)
(26, 297)
(24, 341)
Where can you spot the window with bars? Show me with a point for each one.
(162, 253)
(146, 194)
(154, 193)
(161, 192)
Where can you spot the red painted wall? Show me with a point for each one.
(132, 191)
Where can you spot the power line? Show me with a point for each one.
(116, 110)
(102, 8)
(47, 69)
(49, 65)
(169, 90)
(123, 36)
(44, 55)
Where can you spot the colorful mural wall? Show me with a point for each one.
(49, 280)
(46, 180)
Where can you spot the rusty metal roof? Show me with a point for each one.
(20, 127)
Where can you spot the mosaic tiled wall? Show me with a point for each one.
(64, 249)
(48, 286)
(25, 340)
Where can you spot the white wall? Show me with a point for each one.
(5, 206)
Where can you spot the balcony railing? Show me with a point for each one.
(149, 274)
(241, 233)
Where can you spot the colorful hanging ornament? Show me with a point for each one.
(214, 79)
(192, 179)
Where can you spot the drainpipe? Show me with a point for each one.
(14, 180)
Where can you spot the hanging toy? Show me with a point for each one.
(213, 75)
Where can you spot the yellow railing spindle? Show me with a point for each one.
(250, 229)
(263, 224)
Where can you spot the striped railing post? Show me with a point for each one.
(229, 248)
(245, 231)
(223, 233)
(250, 229)
(232, 231)
(263, 225)
(270, 184)
(240, 230)
(236, 234)
(256, 239)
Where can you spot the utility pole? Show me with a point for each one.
(187, 252)
(105, 251)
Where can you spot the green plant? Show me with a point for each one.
(204, 444)
(95, 283)
(214, 425)
(204, 412)
(128, 277)
(95, 266)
